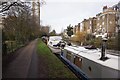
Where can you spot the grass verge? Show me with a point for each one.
(56, 69)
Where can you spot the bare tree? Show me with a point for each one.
(5, 6)
(19, 25)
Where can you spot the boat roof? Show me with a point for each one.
(94, 55)
(55, 37)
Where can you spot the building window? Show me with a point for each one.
(98, 18)
(90, 27)
(110, 22)
(81, 24)
(103, 17)
(68, 55)
(78, 61)
(103, 30)
(81, 28)
(97, 24)
(103, 23)
(90, 22)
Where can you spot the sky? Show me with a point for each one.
(60, 13)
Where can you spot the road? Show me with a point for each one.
(26, 64)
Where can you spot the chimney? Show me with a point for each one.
(104, 8)
(103, 54)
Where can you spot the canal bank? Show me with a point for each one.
(54, 67)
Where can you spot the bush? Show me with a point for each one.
(98, 42)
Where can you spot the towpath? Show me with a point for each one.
(26, 64)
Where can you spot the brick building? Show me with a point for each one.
(106, 22)
(117, 8)
(78, 28)
(88, 25)
(74, 29)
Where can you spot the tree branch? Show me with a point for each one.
(7, 7)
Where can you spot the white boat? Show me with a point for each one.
(54, 40)
(89, 64)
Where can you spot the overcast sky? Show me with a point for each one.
(60, 13)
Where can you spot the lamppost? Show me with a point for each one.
(103, 53)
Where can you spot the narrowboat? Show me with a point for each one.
(89, 63)
(54, 41)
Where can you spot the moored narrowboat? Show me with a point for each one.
(89, 63)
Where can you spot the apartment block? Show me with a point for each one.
(106, 22)
(78, 28)
(88, 25)
(74, 29)
(85, 24)
(117, 8)
(93, 25)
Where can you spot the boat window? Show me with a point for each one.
(74, 56)
(68, 55)
(62, 53)
(80, 59)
